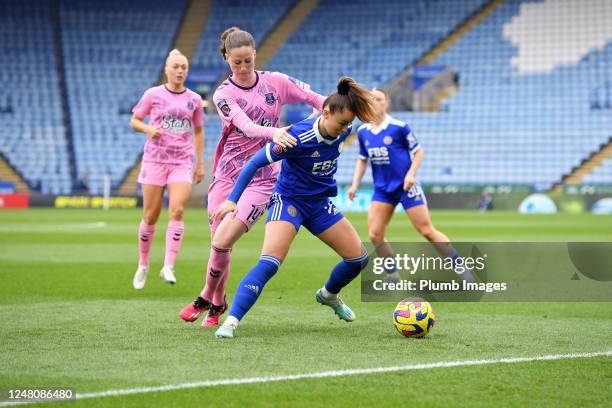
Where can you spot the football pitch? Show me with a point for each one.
(70, 318)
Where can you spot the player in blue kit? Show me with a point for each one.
(395, 155)
(301, 197)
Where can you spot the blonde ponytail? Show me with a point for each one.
(175, 53)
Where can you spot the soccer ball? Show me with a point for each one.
(414, 317)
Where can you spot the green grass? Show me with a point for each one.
(71, 318)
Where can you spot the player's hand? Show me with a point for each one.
(351, 193)
(282, 138)
(199, 173)
(224, 209)
(409, 181)
(154, 131)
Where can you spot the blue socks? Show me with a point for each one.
(254, 281)
(460, 268)
(345, 271)
(252, 284)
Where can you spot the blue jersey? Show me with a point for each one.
(390, 150)
(307, 170)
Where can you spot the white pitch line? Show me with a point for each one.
(325, 374)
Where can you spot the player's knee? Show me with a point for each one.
(222, 241)
(176, 213)
(376, 236)
(150, 217)
(427, 231)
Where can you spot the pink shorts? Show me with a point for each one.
(160, 174)
(251, 206)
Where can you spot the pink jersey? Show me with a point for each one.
(248, 115)
(177, 113)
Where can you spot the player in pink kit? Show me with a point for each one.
(175, 134)
(249, 104)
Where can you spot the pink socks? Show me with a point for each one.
(216, 275)
(174, 237)
(146, 233)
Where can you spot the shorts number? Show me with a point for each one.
(413, 191)
(256, 212)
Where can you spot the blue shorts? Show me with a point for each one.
(316, 215)
(410, 198)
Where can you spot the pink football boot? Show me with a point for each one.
(213, 315)
(192, 311)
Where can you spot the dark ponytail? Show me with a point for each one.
(352, 96)
(344, 86)
(234, 37)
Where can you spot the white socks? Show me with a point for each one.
(327, 294)
(395, 275)
(231, 321)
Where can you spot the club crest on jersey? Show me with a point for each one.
(278, 149)
(291, 211)
(387, 140)
(190, 105)
(270, 98)
(224, 107)
(269, 94)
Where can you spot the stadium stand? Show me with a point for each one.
(33, 137)
(515, 119)
(370, 41)
(396, 35)
(601, 174)
(506, 127)
(212, 133)
(257, 17)
(113, 52)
